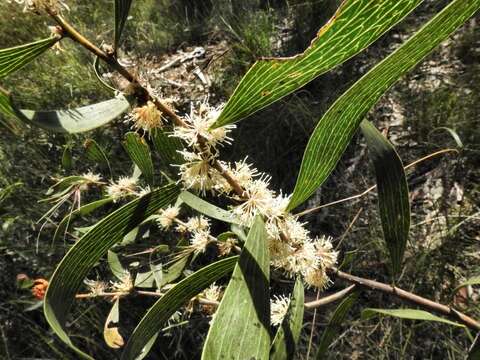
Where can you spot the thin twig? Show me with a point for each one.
(344, 235)
(330, 298)
(311, 210)
(409, 297)
(310, 339)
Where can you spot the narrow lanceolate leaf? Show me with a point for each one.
(116, 266)
(208, 209)
(77, 120)
(7, 114)
(96, 153)
(14, 58)
(98, 74)
(356, 25)
(286, 339)
(334, 324)
(173, 272)
(139, 152)
(173, 299)
(82, 257)
(241, 326)
(122, 8)
(337, 127)
(452, 133)
(167, 147)
(393, 197)
(474, 351)
(82, 211)
(67, 159)
(410, 314)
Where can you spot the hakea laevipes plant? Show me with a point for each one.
(265, 232)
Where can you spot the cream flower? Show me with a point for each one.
(95, 287)
(212, 293)
(198, 124)
(295, 231)
(317, 278)
(278, 309)
(243, 173)
(167, 216)
(325, 252)
(196, 173)
(303, 259)
(91, 177)
(144, 191)
(125, 284)
(198, 223)
(146, 117)
(258, 200)
(123, 187)
(199, 241)
(226, 247)
(280, 252)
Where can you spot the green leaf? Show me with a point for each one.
(96, 153)
(393, 199)
(474, 351)
(335, 322)
(116, 266)
(82, 211)
(241, 326)
(111, 334)
(97, 71)
(286, 339)
(77, 120)
(472, 281)
(139, 152)
(146, 349)
(173, 299)
(410, 314)
(337, 127)
(8, 120)
(67, 159)
(167, 147)
(356, 25)
(225, 236)
(122, 8)
(84, 255)
(14, 58)
(144, 279)
(173, 272)
(452, 133)
(208, 209)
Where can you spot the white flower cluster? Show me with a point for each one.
(291, 246)
(123, 187)
(146, 117)
(197, 172)
(278, 309)
(197, 226)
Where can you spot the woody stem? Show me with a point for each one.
(141, 91)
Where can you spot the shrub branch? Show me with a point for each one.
(143, 95)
